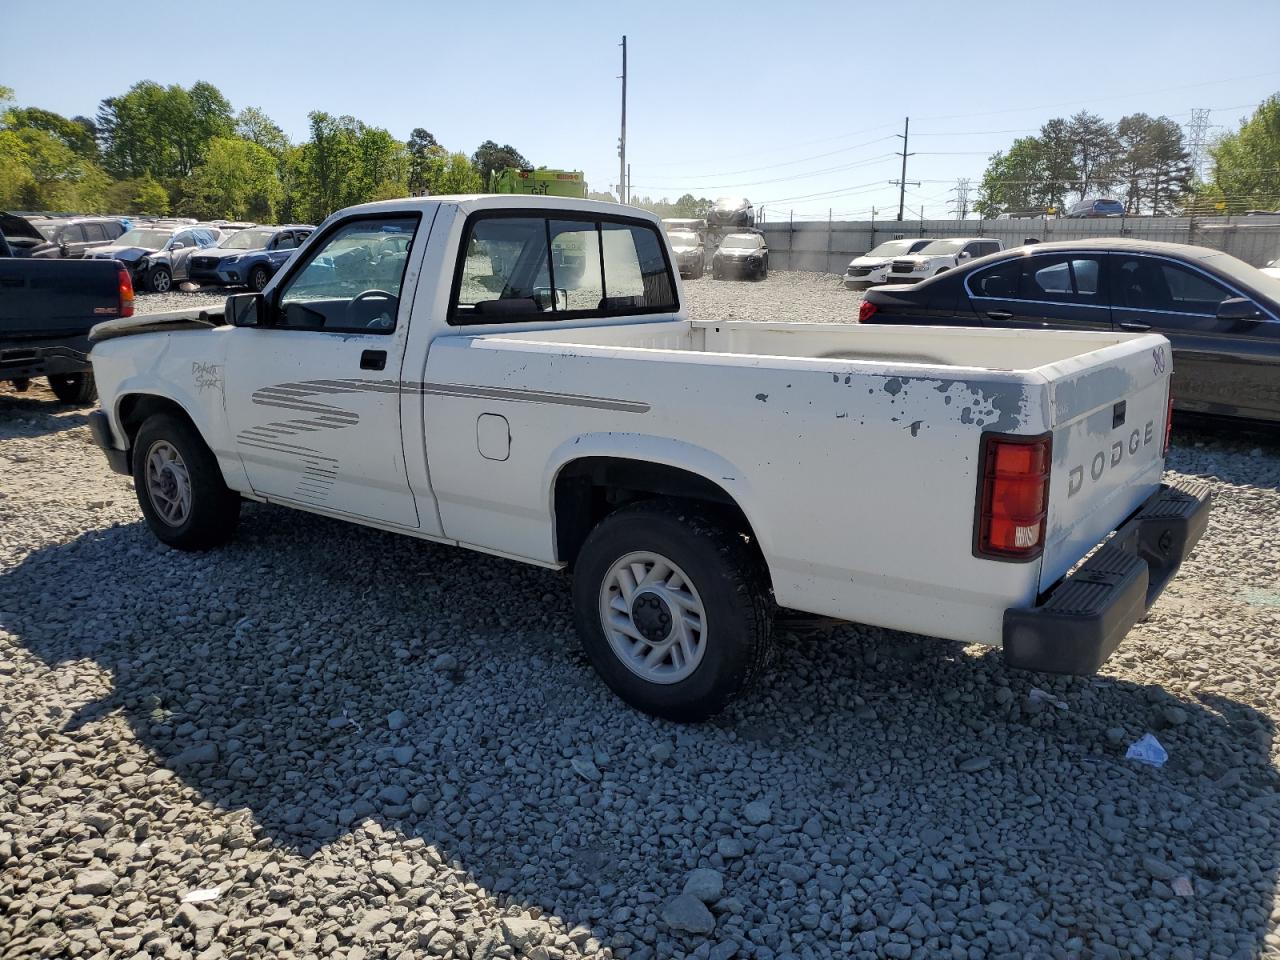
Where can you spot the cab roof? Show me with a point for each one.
(468, 203)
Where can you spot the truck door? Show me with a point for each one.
(313, 395)
(1063, 291)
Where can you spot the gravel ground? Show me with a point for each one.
(372, 746)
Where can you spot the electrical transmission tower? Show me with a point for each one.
(960, 205)
(1198, 142)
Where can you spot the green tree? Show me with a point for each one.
(489, 156)
(449, 173)
(238, 180)
(159, 130)
(149, 197)
(1095, 152)
(73, 133)
(1246, 164)
(1014, 180)
(256, 127)
(421, 145)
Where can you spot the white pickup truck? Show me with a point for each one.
(518, 375)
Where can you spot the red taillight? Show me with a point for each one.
(125, 288)
(1013, 497)
(1168, 422)
(866, 311)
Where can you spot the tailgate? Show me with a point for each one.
(1109, 410)
(51, 298)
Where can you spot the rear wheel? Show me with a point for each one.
(180, 487)
(160, 280)
(77, 388)
(673, 608)
(258, 278)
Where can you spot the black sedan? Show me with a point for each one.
(1221, 315)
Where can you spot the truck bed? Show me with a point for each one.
(801, 417)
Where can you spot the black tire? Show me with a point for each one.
(76, 388)
(697, 274)
(258, 278)
(730, 580)
(160, 280)
(215, 509)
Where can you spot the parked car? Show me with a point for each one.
(1221, 315)
(1022, 215)
(46, 310)
(657, 458)
(741, 255)
(157, 257)
(1101, 207)
(690, 251)
(939, 256)
(249, 257)
(873, 267)
(71, 238)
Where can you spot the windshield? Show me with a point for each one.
(147, 239)
(247, 240)
(1241, 272)
(944, 247)
(683, 238)
(896, 248)
(741, 243)
(1109, 206)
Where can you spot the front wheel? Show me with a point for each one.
(77, 388)
(160, 280)
(673, 608)
(258, 278)
(180, 487)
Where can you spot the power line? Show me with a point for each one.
(786, 179)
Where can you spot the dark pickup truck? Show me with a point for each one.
(46, 310)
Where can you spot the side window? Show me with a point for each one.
(95, 232)
(504, 267)
(72, 233)
(186, 238)
(575, 265)
(988, 247)
(1191, 292)
(997, 282)
(520, 267)
(351, 282)
(284, 241)
(635, 269)
(1063, 279)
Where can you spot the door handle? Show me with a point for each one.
(1135, 326)
(373, 360)
(1000, 314)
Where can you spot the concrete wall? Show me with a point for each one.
(825, 247)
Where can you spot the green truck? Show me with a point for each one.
(553, 183)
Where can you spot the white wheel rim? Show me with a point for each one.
(168, 483)
(653, 617)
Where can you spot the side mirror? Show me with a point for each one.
(1238, 308)
(964, 255)
(245, 310)
(542, 295)
(178, 246)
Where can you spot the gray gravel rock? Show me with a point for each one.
(829, 801)
(705, 884)
(688, 914)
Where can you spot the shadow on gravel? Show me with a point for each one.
(899, 772)
(40, 412)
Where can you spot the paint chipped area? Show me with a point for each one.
(999, 406)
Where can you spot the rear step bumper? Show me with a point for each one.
(1082, 619)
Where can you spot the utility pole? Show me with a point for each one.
(624, 181)
(628, 183)
(902, 183)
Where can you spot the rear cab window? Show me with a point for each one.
(523, 265)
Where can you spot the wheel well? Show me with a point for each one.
(589, 489)
(136, 408)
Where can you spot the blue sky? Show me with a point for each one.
(794, 105)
